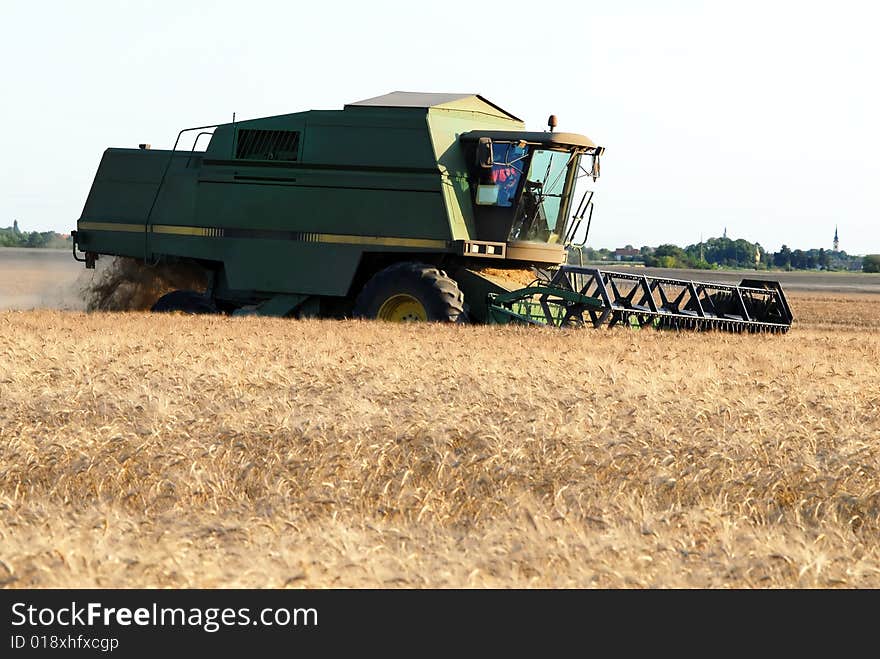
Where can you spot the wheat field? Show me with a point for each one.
(155, 450)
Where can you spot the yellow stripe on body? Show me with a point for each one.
(175, 230)
(216, 232)
(384, 241)
(111, 226)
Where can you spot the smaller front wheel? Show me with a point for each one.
(191, 302)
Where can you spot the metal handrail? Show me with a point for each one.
(148, 224)
(195, 142)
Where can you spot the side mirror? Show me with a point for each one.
(484, 153)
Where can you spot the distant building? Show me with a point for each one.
(627, 253)
(836, 241)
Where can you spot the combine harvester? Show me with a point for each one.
(407, 206)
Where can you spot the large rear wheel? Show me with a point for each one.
(411, 292)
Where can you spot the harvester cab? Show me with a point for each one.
(395, 207)
(524, 185)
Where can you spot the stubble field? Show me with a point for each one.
(141, 450)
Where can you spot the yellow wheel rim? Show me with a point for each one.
(401, 308)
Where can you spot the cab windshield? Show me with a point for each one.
(541, 214)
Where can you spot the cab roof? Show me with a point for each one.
(532, 137)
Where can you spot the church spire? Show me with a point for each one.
(836, 241)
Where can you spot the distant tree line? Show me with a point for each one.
(14, 237)
(729, 253)
(815, 259)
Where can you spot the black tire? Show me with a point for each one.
(191, 302)
(438, 295)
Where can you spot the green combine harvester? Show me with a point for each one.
(408, 206)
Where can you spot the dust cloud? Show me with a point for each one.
(127, 284)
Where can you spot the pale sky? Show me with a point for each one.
(761, 117)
